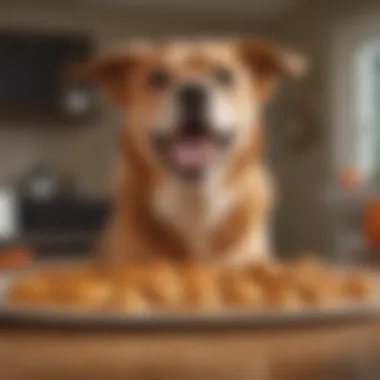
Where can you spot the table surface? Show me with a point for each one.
(336, 352)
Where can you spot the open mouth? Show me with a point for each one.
(192, 155)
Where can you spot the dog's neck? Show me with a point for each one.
(200, 203)
(206, 198)
(172, 208)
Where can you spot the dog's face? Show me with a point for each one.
(189, 106)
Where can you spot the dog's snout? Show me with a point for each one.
(192, 98)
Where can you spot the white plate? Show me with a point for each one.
(170, 319)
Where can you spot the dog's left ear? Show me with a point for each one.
(269, 63)
(113, 72)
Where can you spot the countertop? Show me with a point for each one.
(336, 352)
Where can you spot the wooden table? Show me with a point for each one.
(336, 352)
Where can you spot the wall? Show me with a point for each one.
(87, 152)
(305, 221)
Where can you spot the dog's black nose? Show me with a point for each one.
(192, 99)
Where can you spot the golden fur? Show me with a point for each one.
(154, 216)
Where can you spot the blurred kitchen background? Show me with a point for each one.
(58, 139)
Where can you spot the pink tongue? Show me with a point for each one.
(192, 154)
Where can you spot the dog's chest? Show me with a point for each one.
(191, 214)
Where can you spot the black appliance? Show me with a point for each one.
(62, 225)
(38, 80)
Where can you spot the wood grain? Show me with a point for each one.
(349, 351)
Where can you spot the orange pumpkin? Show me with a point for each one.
(371, 223)
(15, 257)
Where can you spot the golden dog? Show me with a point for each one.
(192, 184)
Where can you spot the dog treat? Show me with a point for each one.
(265, 273)
(200, 287)
(162, 286)
(316, 294)
(303, 270)
(34, 290)
(240, 290)
(130, 275)
(281, 297)
(85, 291)
(127, 298)
(136, 288)
(357, 286)
(79, 288)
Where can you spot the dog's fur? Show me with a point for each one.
(224, 217)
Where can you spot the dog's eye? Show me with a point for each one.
(224, 76)
(158, 79)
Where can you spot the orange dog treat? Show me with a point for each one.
(357, 286)
(266, 274)
(126, 292)
(127, 299)
(135, 288)
(76, 290)
(162, 286)
(281, 296)
(303, 269)
(313, 294)
(130, 275)
(33, 290)
(201, 287)
(240, 290)
(313, 283)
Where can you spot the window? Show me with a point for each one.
(368, 110)
(355, 95)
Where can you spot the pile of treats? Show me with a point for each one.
(138, 288)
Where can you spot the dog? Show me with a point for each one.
(191, 184)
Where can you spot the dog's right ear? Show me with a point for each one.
(269, 62)
(111, 73)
